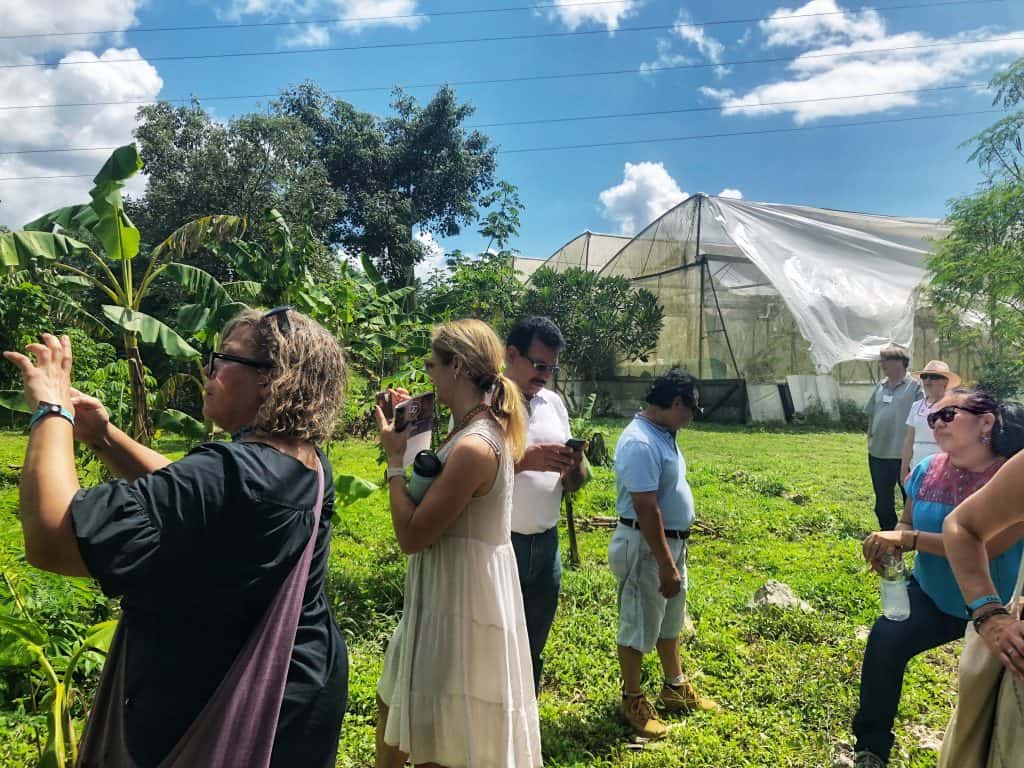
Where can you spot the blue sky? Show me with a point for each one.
(904, 168)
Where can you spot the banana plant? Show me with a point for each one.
(64, 239)
(23, 644)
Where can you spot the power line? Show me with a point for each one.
(659, 140)
(720, 107)
(654, 69)
(336, 20)
(606, 116)
(465, 40)
(757, 132)
(464, 12)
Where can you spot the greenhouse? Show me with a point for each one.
(766, 293)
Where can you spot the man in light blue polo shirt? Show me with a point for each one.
(647, 552)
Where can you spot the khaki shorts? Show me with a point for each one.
(645, 616)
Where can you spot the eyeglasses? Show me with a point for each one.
(281, 313)
(541, 367)
(214, 356)
(933, 377)
(947, 414)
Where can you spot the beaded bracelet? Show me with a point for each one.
(1000, 611)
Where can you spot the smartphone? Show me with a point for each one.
(384, 401)
(575, 444)
(417, 411)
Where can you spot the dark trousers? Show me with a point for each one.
(891, 645)
(885, 477)
(540, 578)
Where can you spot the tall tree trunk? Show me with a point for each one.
(137, 377)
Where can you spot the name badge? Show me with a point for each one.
(886, 399)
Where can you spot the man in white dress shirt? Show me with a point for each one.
(547, 468)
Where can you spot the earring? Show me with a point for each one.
(986, 439)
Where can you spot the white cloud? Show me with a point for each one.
(647, 190)
(732, 194)
(820, 22)
(309, 36)
(104, 126)
(689, 34)
(433, 255)
(853, 65)
(48, 17)
(574, 13)
(352, 15)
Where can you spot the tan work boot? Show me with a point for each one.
(638, 712)
(685, 699)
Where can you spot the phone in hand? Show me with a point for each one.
(386, 406)
(575, 444)
(417, 411)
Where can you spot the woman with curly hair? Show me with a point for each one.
(226, 652)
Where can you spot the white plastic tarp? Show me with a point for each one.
(850, 279)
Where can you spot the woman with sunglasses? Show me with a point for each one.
(919, 441)
(201, 551)
(975, 435)
(457, 685)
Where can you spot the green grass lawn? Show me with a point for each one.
(791, 506)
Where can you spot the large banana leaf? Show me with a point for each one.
(203, 287)
(73, 217)
(200, 233)
(181, 424)
(98, 638)
(28, 631)
(150, 330)
(113, 228)
(18, 249)
(14, 401)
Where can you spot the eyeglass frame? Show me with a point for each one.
(249, 361)
(540, 366)
(934, 417)
(933, 377)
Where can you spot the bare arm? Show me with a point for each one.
(908, 454)
(906, 538)
(991, 518)
(469, 471)
(49, 480)
(123, 456)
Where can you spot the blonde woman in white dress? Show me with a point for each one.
(457, 686)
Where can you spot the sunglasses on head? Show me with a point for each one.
(281, 313)
(947, 414)
(933, 377)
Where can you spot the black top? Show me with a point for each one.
(198, 550)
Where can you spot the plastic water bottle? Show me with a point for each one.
(425, 467)
(895, 599)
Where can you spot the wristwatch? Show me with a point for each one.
(50, 409)
(391, 472)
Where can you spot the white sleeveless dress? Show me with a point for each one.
(457, 676)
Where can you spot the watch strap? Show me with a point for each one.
(987, 599)
(44, 409)
(391, 472)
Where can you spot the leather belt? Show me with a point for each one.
(668, 533)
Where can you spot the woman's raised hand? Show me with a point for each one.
(48, 380)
